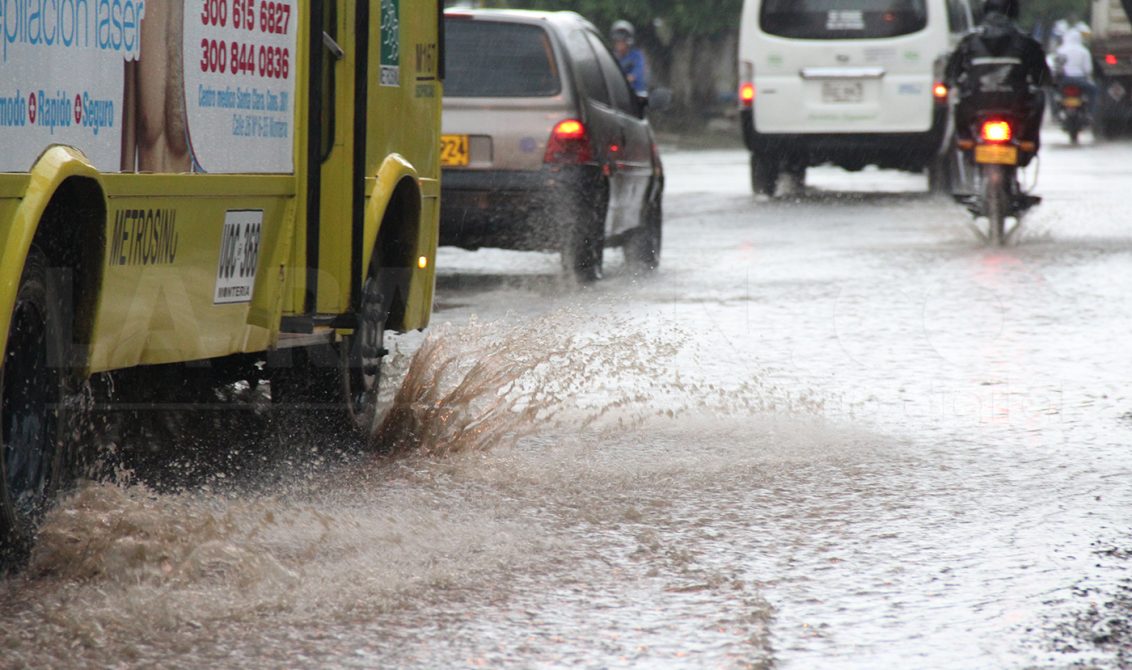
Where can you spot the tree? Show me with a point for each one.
(1048, 11)
(682, 40)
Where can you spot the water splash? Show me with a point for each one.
(484, 385)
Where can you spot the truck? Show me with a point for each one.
(245, 187)
(1111, 46)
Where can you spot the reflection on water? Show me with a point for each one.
(829, 433)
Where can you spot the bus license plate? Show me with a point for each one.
(1073, 102)
(454, 150)
(842, 92)
(996, 154)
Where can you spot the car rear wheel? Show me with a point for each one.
(33, 382)
(584, 244)
(642, 248)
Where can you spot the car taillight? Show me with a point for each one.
(569, 143)
(747, 94)
(747, 84)
(1071, 91)
(1110, 59)
(996, 130)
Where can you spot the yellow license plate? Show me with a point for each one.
(454, 150)
(1073, 102)
(996, 154)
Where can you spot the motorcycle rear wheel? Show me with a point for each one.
(996, 197)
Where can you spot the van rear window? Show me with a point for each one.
(492, 59)
(842, 19)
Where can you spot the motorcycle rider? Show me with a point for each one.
(1075, 66)
(998, 67)
(632, 60)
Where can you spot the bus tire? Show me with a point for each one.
(33, 384)
(361, 356)
(334, 387)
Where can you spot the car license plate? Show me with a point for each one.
(842, 92)
(1073, 102)
(454, 150)
(996, 154)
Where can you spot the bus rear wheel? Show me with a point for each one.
(335, 386)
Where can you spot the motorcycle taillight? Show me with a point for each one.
(1071, 91)
(996, 130)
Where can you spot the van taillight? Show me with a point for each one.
(997, 130)
(747, 94)
(569, 143)
(1111, 59)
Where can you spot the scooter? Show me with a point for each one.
(1071, 105)
(994, 153)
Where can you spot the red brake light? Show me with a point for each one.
(1071, 91)
(1110, 59)
(747, 94)
(568, 143)
(997, 131)
(570, 130)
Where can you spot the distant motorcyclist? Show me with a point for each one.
(1075, 66)
(998, 67)
(632, 60)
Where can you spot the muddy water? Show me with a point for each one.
(833, 431)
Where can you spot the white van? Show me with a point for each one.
(847, 82)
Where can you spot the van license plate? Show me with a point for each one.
(842, 92)
(454, 150)
(996, 154)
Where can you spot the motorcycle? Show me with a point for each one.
(1071, 105)
(994, 152)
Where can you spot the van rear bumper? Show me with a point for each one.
(511, 209)
(852, 151)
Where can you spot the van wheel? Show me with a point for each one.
(941, 174)
(764, 175)
(642, 249)
(33, 382)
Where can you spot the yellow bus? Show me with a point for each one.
(207, 180)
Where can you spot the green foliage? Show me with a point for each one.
(683, 17)
(1051, 10)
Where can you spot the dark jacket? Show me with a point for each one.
(998, 64)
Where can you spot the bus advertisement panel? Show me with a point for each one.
(150, 85)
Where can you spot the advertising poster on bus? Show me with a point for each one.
(160, 86)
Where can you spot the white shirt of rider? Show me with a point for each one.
(1078, 62)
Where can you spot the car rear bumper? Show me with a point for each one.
(904, 151)
(525, 210)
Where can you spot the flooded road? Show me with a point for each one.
(832, 431)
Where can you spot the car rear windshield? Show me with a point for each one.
(842, 19)
(491, 59)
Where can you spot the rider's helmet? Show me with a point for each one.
(622, 30)
(1008, 7)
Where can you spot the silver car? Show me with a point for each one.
(545, 146)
